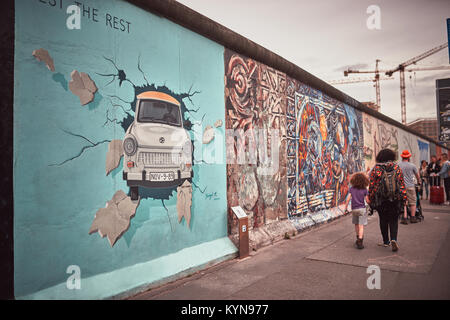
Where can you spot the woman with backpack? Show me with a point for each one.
(387, 195)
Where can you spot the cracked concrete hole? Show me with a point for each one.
(82, 86)
(184, 201)
(43, 55)
(115, 153)
(114, 220)
(208, 134)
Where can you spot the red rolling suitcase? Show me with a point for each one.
(436, 195)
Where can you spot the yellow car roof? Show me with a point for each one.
(158, 96)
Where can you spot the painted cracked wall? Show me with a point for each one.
(71, 110)
(255, 103)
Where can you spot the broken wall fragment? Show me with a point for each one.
(115, 153)
(184, 202)
(43, 55)
(114, 220)
(82, 86)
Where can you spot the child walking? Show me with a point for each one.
(357, 194)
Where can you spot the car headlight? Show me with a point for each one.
(129, 146)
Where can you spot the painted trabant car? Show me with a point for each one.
(157, 148)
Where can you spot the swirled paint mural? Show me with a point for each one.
(256, 132)
(325, 146)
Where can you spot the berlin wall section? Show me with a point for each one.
(325, 141)
(75, 96)
(127, 151)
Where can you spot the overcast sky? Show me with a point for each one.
(324, 37)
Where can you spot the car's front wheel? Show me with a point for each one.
(134, 193)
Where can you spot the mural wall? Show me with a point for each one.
(424, 150)
(410, 142)
(322, 138)
(378, 135)
(85, 168)
(325, 141)
(133, 138)
(325, 146)
(255, 103)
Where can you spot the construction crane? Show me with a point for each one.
(355, 80)
(376, 79)
(429, 68)
(401, 68)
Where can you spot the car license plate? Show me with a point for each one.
(162, 176)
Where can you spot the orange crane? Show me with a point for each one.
(401, 68)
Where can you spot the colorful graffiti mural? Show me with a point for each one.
(255, 107)
(424, 150)
(378, 135)
(325, 146)
(407, 141)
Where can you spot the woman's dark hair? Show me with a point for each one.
(386, 155)
(422, 162)
(359, 180)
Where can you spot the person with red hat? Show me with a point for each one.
(410, 172)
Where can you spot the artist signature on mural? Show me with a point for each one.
(212, 196)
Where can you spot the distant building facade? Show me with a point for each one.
(426, 126)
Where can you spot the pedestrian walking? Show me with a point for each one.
(424, 178)
(445, 174)
(358, 195)
(410, 172)
(387, 195)
(433, 170)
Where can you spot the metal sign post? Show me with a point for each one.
(244, 249)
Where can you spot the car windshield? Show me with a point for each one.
(159, 112)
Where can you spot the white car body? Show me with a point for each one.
(162, 154)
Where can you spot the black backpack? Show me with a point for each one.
(388, 185)
(388, 188)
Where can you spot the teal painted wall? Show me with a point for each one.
(55, 199)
